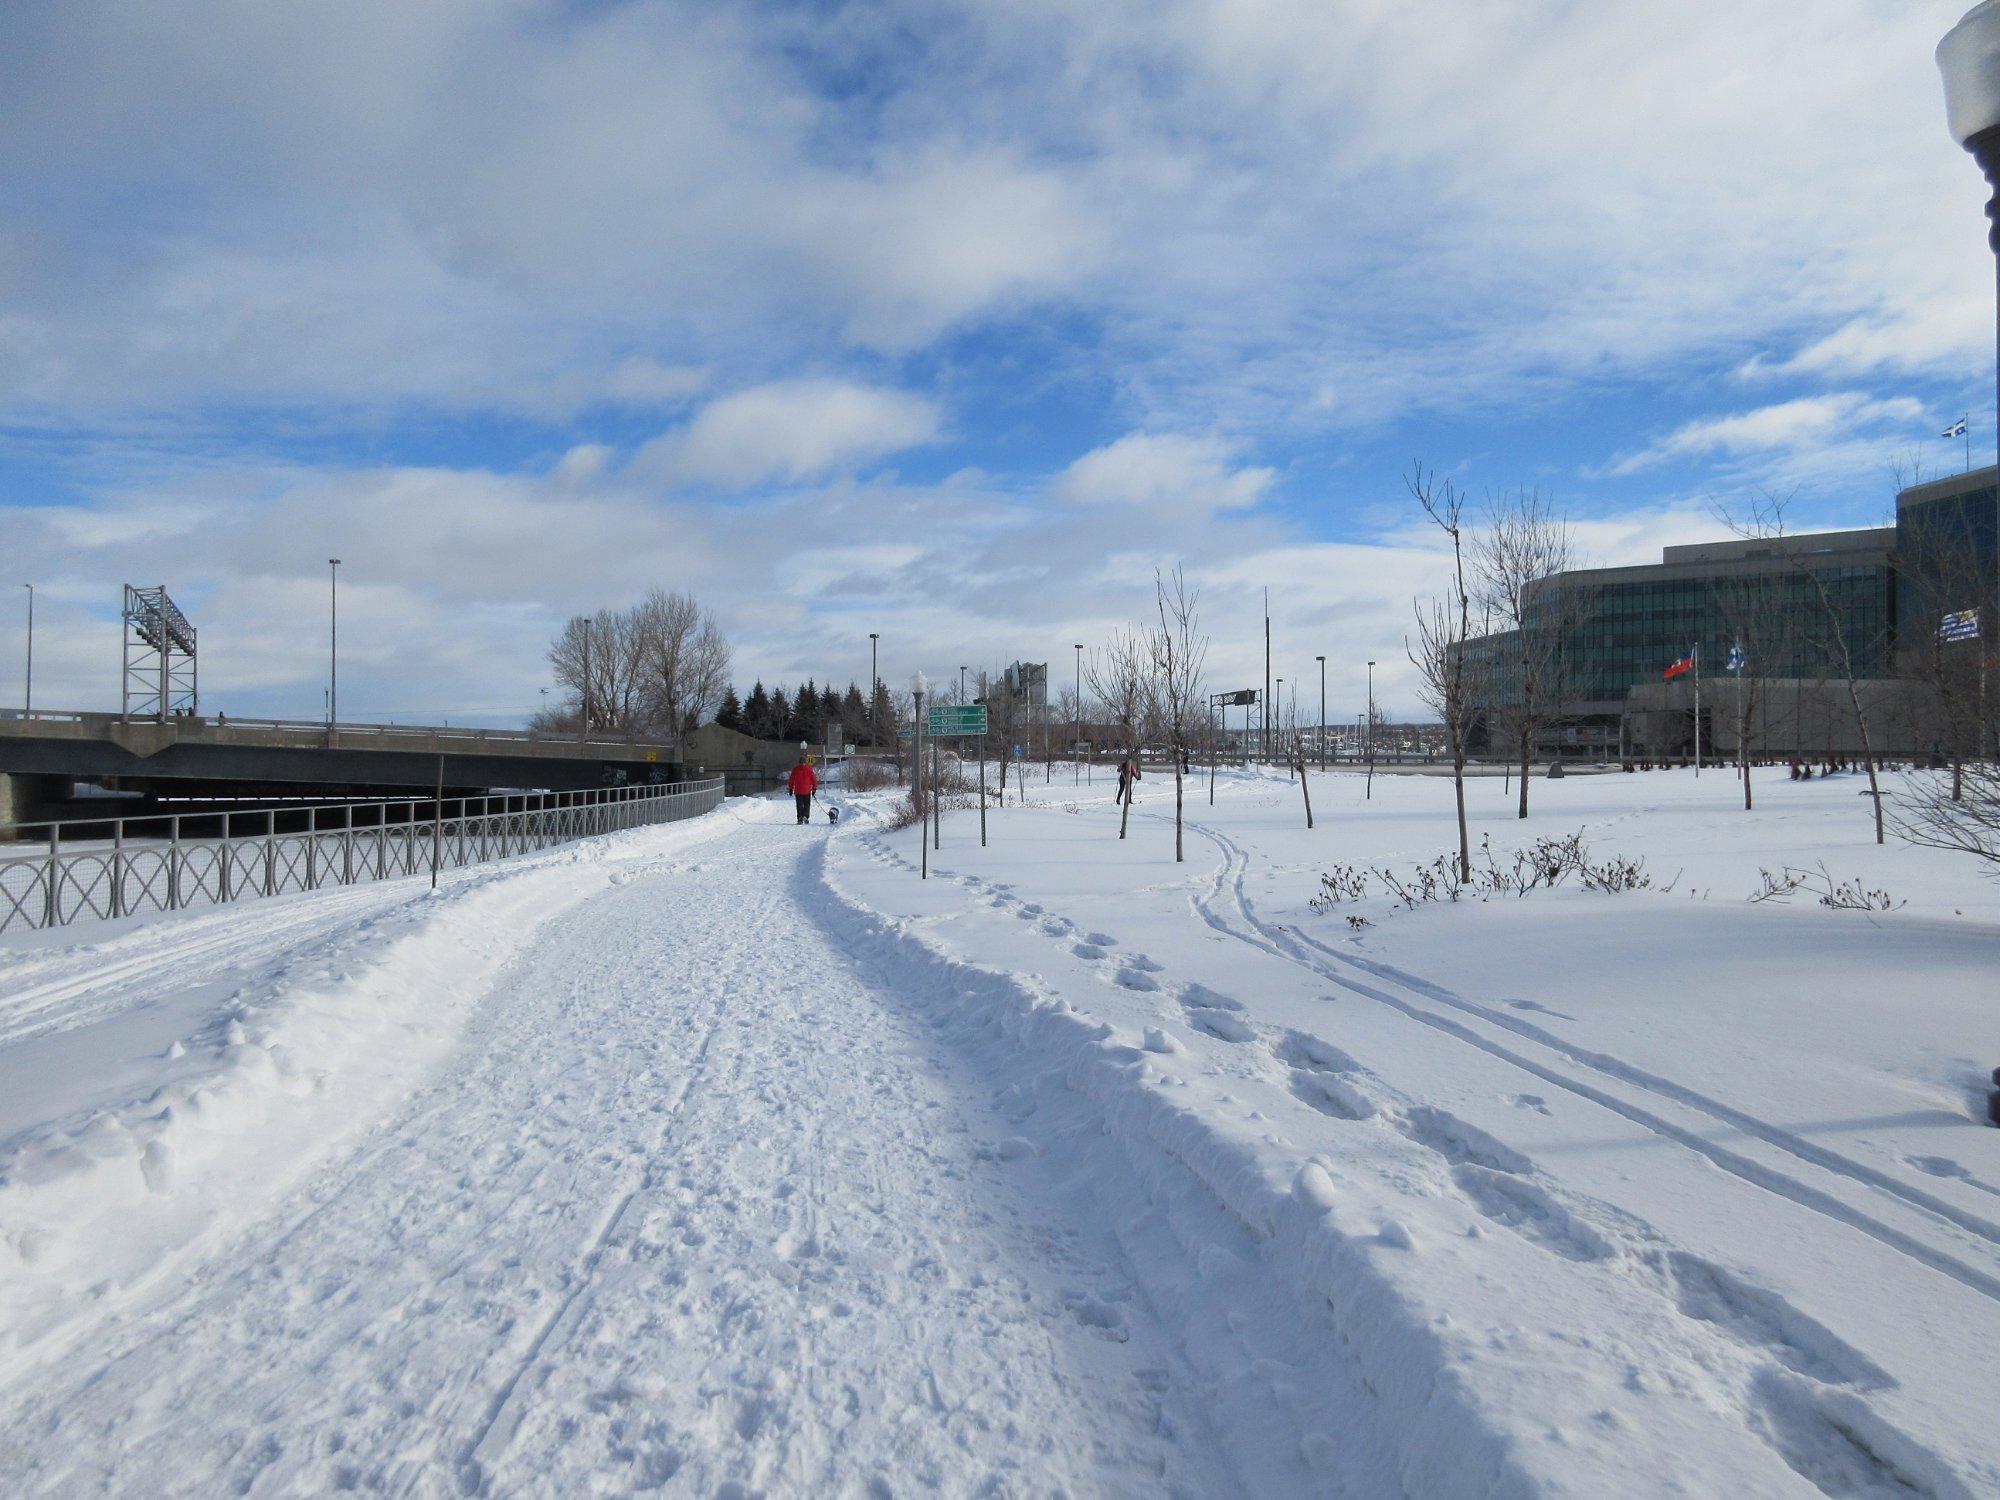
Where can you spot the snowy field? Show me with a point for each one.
(730, 1158)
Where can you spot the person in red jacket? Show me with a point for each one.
(803, 782)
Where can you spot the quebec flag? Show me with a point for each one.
(1957, 429)
(1959, 625)
(1736, 658)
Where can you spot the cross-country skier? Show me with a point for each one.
(804, 782)
(1128, 772)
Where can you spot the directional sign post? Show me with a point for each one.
(947, 721)
(956, 720)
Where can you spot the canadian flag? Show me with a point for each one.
(1680, 668)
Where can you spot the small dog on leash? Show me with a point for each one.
(832, 813)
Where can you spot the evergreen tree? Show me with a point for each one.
(853, 713)
(730, 714)
(757, 712)
(806, 709)
(882, 718)
(781, 726)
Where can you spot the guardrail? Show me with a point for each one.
(148, 865)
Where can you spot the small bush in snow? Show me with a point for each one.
(1542, 865)
(1841, 895)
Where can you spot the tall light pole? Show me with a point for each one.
(333, 642)
(1076, 744)
(1264, 736)
(1969, 59)
(1322, 711)
(961, 684)
(874, 687)
(28, 696)
(1369, 793)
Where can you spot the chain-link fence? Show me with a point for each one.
(116, 867)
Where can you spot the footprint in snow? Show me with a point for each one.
(1101, 939)
(1088, 951)
(1137, 979)
(1201, 997)
(1094, 1312)
(1939, 1166)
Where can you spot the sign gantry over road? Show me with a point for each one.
(957, 719)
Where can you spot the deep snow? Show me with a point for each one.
(730, 1154)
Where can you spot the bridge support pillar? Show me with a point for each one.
(26, 799)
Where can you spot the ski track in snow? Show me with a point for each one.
(1227, 908)
(696, 1204)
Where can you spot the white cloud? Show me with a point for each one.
(792, 430)
(1787, 426)
(1163, 469)
(1243, 206)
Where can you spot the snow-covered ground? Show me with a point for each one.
(729, 1157)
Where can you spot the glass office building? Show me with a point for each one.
(1807, 607)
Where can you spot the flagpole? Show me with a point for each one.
(1696, 654)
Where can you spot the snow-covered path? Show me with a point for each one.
(696, 1199)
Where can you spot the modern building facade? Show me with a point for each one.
(1806, 612)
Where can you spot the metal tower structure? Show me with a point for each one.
(160, 679)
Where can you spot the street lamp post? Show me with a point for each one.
(1322, 711)
(1076, 740)
(1969, 60)
(1368, 794)
(333, 643)
(28, 694)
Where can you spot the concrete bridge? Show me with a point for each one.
(43, 755)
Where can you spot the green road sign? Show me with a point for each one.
(957, 719)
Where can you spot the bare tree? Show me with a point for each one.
(1940, 568)
(1295, 755)
(600, 659)
(1117, 677)
(1762, 619)
(685, 659)
(1519, 559)
(1838, 641)
(1439, 652)
(1173, 685)
(1942, 810)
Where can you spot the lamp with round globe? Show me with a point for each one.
(1969, 59)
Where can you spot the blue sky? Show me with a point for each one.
(943, 320)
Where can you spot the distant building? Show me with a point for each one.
(1793, 601)
(1026, 683)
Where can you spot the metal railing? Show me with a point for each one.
(162, 861)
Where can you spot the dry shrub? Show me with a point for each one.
(868, 775)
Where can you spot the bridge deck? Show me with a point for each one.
(219, 752)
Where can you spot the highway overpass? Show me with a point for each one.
(213, 758)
